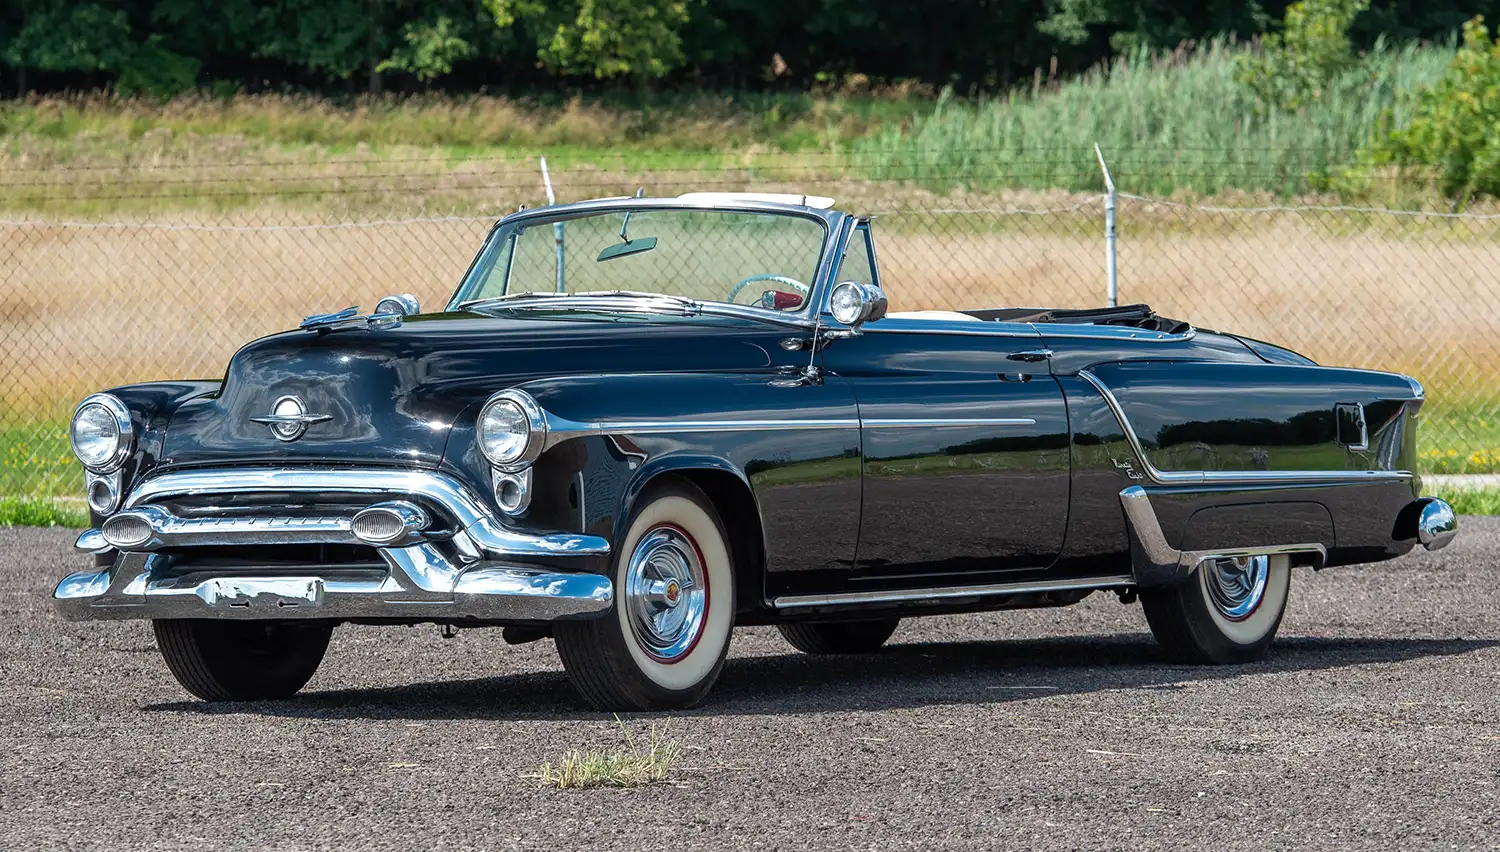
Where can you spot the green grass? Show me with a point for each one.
(633, 765)
(1165, 124)
(1471, 501)
(32, 512)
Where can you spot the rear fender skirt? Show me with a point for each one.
(1155, 562)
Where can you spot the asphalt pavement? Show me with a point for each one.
(1373, 725)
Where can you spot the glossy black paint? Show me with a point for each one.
(941, 501)
(823, 496)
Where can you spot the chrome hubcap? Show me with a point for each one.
(666, 594)
(1236, 586)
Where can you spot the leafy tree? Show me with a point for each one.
(58, 35)
(604, 39)
(1296, 65)
(1453, 123)
(430, 49)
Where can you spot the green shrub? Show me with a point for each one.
(1452, 125)
(1298, 65)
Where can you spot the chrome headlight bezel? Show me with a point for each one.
(125, 432)
(529, 447)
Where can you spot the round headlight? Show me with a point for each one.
(100, 433)
(847, 304)
(511, 430)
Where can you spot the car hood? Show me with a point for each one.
(391, 396)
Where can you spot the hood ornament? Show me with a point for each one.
(289, 418)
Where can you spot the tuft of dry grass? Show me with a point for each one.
(631, 766)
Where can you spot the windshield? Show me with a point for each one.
(766, 260)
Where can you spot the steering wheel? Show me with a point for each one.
(779, 279)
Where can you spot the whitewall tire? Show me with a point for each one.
(1228, 611)
(663, 643)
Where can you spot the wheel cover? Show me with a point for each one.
(1237, 586)
(666, 593)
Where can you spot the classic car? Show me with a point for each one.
(640, 423)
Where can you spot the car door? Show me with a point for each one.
(964, 441)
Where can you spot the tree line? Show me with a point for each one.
(162, 47)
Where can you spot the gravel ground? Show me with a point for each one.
(1373, 725)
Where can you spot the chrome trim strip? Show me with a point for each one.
(977, 328)
(455, 498)
(1168, 564)
(939, 422)
(1094, 331)
(1231, 477)
(561, 429)
(948, 592)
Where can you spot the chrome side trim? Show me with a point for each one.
(440, 488)
(959, 328)
(1231, 477)
(948, 592)
(939, 422)
(561, 429)
(1159, 563)
(1093, 331)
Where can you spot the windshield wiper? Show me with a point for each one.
(589, 300)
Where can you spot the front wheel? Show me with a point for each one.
(241, 660)
(1227, 612)
(664, 643)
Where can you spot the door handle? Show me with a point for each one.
(1030, 355)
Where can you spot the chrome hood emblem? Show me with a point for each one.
(289, 418)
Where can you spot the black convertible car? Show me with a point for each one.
(641, 422)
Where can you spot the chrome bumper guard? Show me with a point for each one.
(474, 568)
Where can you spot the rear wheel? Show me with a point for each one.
(1227, 612)
(241, 660)
(664, 643)
(839, 637)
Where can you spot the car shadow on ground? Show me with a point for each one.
(896, 677)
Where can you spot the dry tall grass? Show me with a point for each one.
(86, 306)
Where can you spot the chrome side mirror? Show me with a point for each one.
(402, 305)
(854, 304)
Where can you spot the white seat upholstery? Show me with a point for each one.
(932, 315)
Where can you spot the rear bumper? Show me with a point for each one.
(458, 563)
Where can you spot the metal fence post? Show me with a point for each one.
(1113, 285)
(557, 228)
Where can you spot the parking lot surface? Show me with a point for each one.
(1372, 725)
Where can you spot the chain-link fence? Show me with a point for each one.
(118, 277)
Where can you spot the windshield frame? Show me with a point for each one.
(835, 232)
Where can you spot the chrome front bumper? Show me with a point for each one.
(468, 565)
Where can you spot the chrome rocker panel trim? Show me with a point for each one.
(1155, 562)
(1231, 477)
(948, 593)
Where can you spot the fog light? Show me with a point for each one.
(103, 492)
(388, 523)
(126, 531)
(513, 491)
